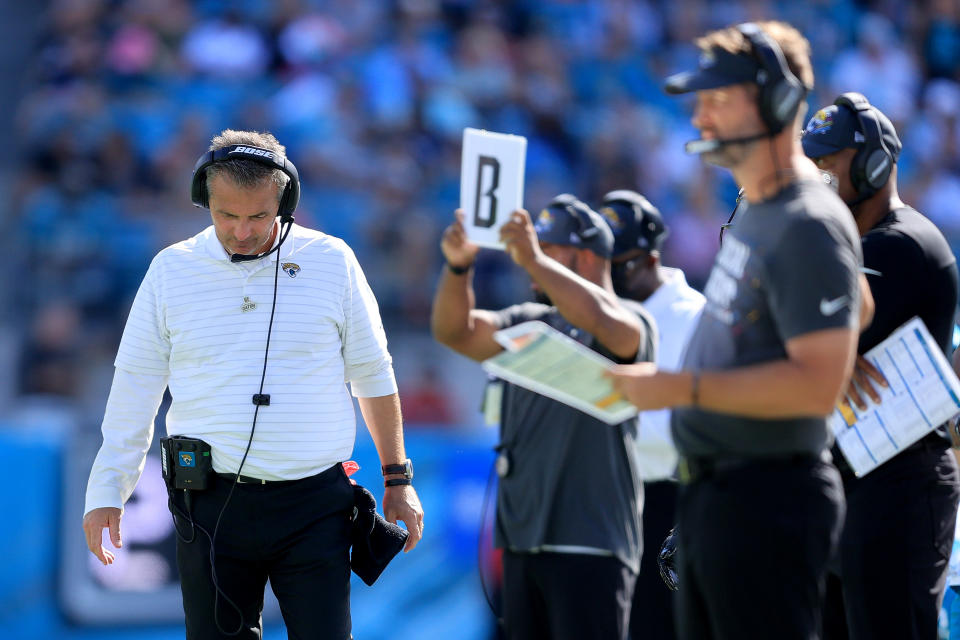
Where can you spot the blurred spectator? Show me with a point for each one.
(941, 43)
(226, 46)
(51, 356)
(880, 67)
(426, 399)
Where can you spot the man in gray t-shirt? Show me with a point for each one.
(760, 506)
(765, 289)
(568, 504)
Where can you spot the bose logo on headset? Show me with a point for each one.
(253, 151)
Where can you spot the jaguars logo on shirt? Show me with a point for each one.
(291, 268)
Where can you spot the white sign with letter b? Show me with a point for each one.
(491, 183)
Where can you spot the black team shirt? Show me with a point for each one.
(918, 277)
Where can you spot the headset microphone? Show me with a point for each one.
(709, 146)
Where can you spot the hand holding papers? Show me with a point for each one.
(923, 393)
(491, 183)
(542, 359)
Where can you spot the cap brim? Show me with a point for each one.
(699, 80)
(814, 148)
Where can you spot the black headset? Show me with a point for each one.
(871, 166)
(780, 92)
(291, 192)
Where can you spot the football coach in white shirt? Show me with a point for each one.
(255, 324)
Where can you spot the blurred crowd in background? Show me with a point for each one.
(371, 98)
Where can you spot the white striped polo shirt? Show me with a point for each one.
(199, 324)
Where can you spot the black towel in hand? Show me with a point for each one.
(374, 540)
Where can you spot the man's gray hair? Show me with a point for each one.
(248, 173)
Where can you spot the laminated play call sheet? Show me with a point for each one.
(923, 393)
(543, 360)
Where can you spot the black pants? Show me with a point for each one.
(894, 549)
(754, 546)
(295, 533)
(565, 596)
(651, 616)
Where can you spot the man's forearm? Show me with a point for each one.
(867, 305)
(385, 423)
(778, 389)
(452, 304)
(127, 433)
(587, 306)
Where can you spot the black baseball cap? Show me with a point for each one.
(570, 222)
(636, 224)
(716, 68)
(834, 128)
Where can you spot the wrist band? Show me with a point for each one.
(396, 482)
(459, 270)
(695, 389)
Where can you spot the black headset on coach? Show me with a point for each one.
(288, 200)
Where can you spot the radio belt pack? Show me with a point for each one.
(185, 462)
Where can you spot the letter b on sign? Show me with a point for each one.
(485, 203)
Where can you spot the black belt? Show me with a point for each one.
(693, 468)
(327, 475)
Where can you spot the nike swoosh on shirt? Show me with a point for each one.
(830, 307)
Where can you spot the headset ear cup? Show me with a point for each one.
(204, 192)
(779, 102)
(785, 97)
(283, 211)
(877, 169)
(767, 102)
(198, 189)
(198, 185)
(858, 174)
(291, 197)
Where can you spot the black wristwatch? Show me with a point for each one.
(405, 469)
